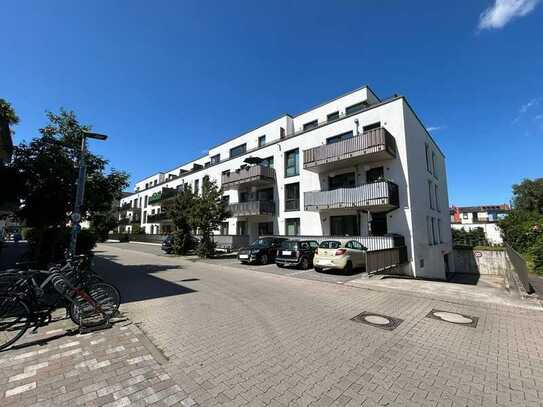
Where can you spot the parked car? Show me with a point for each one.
(298, 253)
(167, 243)
(261, 251)
(340, 256)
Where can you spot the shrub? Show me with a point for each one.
(182, 243)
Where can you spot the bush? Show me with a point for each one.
(182, 243)
(206, 247)
(536, 252)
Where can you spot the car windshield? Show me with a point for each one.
(289, 245)
(330, 244)
(261, 243)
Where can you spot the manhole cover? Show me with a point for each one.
(378, 320)
(453, 318)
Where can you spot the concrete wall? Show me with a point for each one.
(487, 262)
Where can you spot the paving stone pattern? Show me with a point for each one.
(237, 338)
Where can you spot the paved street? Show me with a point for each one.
(235, 337)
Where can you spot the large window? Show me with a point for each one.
(339, 137)
(434, 235)
(311, 125)
(261, 140)
(427, 153)
(332, 116)
(341, 181)
(434, 164)
(292, 226)
(292, 197)
(439, 231)
(196, 186)
(371, 126)
(292, 163)
(430, 194)
(354, 108)
(267, 162)
(429, 231)
(237, 151)
(224, 228)
(215, 159)
(436, 197)
(344, 225)
(265, 229)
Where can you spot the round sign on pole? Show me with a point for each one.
(478, 254)
(76, 217)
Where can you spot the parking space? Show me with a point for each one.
(231, 261)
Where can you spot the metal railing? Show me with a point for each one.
(125, 207)
(387, 261)
(371, 141)
(251, 208)
(382, 193)
(157, 217)
(520, 266)
(248, 174)
(372, 243)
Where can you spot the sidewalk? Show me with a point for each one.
(112, 367)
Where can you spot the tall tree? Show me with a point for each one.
(528, 195)
(180, 213)
(207, 213)
(8, 117)
(47, 167)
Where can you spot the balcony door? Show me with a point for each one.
(242, 227)
(374, 174)
(346, 180)
(379, 224)
(344, 225)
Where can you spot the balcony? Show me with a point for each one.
(251, 208)
(255, 175)
(168, 193)
(135, 219)
(158, 217)
(125, 207)
(379, 196)
(124, 221)
(373, 145)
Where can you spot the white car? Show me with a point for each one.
(334, 254)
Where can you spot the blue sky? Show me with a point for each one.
(168, 79)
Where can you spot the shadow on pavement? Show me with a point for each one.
(137, 282)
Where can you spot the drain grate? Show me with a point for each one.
(453, 318)
(378, 320)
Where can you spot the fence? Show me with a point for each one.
(519, 264)
(370, 242)
(387, 261)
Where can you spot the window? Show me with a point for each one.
(341, 181)
(224, 228)
(339, 137)
(427, 153)
(196, 185)
(155, 182)
(353, 244)
(145, 202)
(237, 151)
(430, 194)
(311, 125)
(291, 163)
(465, 216)
(144, 216)
(354, 108)
(439, 231)
(267, 162)
(436, 195)
(215, 159)
(292, 197)
(261, 140)
(332, 116)
(225, 199)
(371, 127)
(434, 164)
(344, 225)
(292, 226)
(434, 231)
(429, 231)
(282, 133)
(265, 229)
(226, 172)
(140, 202)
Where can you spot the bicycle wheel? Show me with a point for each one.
(15, 319)
(97, 304)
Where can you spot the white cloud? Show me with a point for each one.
(435, 128)
(503, 11)
(527, 106)
(538, 117)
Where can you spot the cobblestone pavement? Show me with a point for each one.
(112, 367)
(234, 337)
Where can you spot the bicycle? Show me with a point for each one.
(29, 297)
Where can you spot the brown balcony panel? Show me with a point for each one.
(247, 177)
(158, 217)
(376, 197)
(372, 145)
(252, 208)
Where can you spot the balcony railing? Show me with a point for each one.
(254, 175)
(379, 196)
(371, 243)
(251, 208)
(158, 217)
(168, 193)
(387, 261)
(125, 207)
(372, 145)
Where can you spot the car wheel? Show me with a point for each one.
(264, 259)
(318, 269)
(281, 266)
(304, 263)
(243, 262)
(348, 268)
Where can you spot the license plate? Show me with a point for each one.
(243, 256)
(287, 252)
(326, 262)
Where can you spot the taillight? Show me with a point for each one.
(316, 251)
(340, 252)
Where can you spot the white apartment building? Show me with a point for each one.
(485, 217)
(354, 166)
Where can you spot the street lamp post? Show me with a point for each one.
(76, 214)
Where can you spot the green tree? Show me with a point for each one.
(180, 213)
(103, 222)
(10, 180)
(206, 215)
(528, 195)
(47, 171)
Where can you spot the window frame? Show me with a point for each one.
(215, 159)
(261, 140)
(354, 108)
(241, 146)
(430, 194)
(297, 200)
(332, 117)
(296, 222)
(313, 124)
(297, 166)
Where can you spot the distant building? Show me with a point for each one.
(484, 217)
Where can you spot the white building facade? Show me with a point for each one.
(355, 166)
(485, 217)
